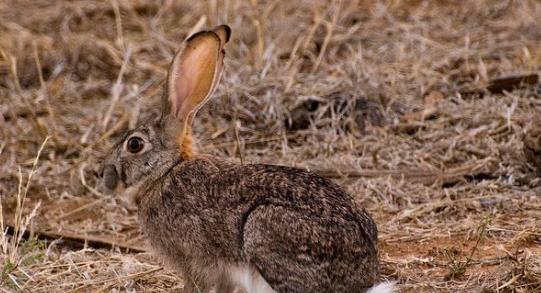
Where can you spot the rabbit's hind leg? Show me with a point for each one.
(276, 241)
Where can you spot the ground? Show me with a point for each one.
(400, 102)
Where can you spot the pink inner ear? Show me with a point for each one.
(193, 73)
(182, 90)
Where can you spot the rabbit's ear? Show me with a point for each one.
(193, 76)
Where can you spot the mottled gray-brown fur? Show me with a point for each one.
(201, 214)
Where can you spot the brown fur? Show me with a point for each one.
(206, 216)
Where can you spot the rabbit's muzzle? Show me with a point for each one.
(110, 178)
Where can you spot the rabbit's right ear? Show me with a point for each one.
(193, 76)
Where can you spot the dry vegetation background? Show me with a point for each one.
(395, 100)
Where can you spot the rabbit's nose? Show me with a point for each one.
(110, 177)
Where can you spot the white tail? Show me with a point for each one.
(384, 287)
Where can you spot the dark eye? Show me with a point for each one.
(135, 144)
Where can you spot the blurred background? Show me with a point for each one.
(426, 111)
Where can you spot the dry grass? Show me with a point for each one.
(443, 174)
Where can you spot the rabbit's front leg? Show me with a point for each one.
(194, 283)
(207, 277)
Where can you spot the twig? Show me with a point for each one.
(89, 283)
(78, 240)
(239, 145)
(81, 208)
(21, 198)
(426, 177)
(198, 25)
(83, 182)
(44, 90)
(511, 281)
(118, 24)
(117, 89)
(481, 230)
(330, 28)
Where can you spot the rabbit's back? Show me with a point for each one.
(298, 229)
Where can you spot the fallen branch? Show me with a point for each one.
(503, 84)
(76, 240)
(426, 177)
(509, 83)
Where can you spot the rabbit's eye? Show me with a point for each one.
(135, 144)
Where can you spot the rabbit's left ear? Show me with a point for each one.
(193, 76)
(195, 71)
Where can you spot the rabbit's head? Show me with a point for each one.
(157, 144)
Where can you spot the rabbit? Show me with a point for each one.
(228, 227)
